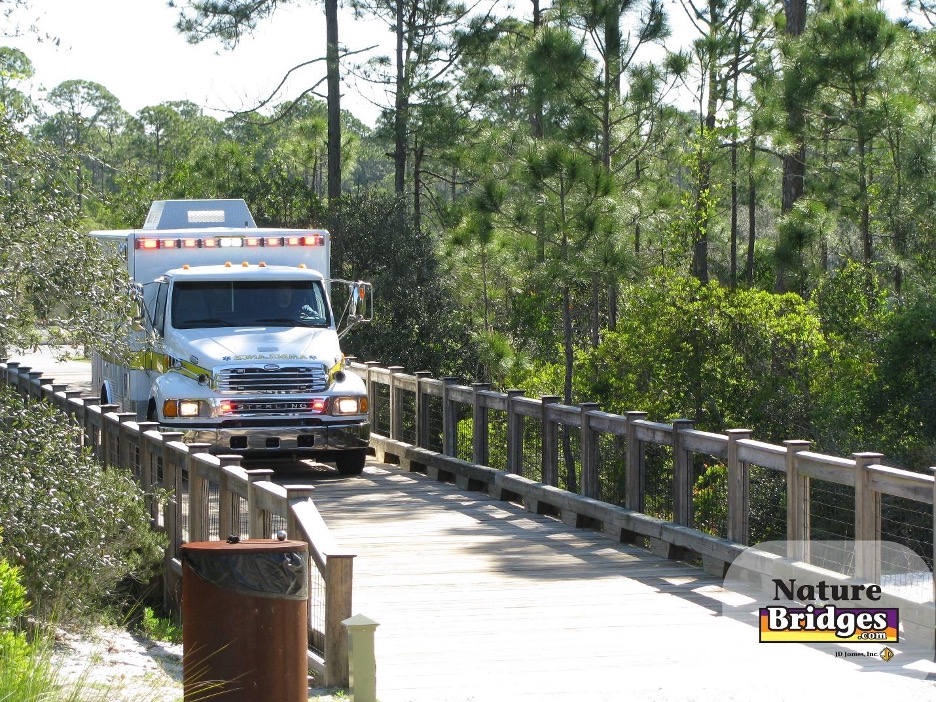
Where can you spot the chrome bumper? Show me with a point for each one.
(309, 440)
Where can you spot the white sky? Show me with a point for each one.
(132, 48)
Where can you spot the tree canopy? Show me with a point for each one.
(563, 200)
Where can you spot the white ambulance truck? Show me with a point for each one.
(237, 344)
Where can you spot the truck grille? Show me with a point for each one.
(259, 408)
(273, 379)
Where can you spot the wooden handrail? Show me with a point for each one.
(119, 440)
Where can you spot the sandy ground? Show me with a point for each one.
(120, 666)
(113, 665)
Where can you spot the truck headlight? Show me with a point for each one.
(181, 408)
(188, 408)
(349, 405)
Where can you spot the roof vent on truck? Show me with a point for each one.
(198, 214)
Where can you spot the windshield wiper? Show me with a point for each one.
(281, 321)
(207, 322)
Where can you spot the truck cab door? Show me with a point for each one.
(155, 295)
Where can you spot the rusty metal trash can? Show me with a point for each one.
(245, 621)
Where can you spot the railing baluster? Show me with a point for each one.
(739, 483)
(682, 475)
(591, 480)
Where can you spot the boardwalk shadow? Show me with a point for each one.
(502, 537)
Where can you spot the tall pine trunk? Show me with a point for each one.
(333, 99)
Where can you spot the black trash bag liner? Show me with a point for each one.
(279, 574)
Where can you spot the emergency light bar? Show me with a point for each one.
(152, 243)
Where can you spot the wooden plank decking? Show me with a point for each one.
(480, 600)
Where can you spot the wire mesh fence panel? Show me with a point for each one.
(406, 405)
(316, 611)
(434, 434)
(832, 519)
(464, 424)
(214, 512)
(497, 439)
(767, 512)
(184, 518)
(570, 458)
(710, 495)
(278, 523)
(910, 524)
(658, 481)
(243, 521)
(382, 409)
(612, 469)
(113, 446)
(532, 458)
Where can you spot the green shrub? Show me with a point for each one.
(75, 528)
(160, 628)
(724, 358)
(20, 671)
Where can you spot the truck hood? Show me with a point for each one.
(209, 348)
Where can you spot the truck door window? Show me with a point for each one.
(159, 314)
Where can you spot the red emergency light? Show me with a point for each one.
(153, 243)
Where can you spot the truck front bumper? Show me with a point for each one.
(247, 439)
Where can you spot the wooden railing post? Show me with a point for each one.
(172, 481)
(76, 410)
(124, 445)
(480, 446)
(396, 414)
(198, 494)
(73, 406)
(54, 389)
(21, 379)
(423, 425)
(107, 445)
(933, 533)
(591, 481)
(514, 435)
(867, 520)
(34, 388)
(228, 501)
(636, 467)
(148, 470)
(294, 494)
(797, 501)
(338, 576)
(739, 489)
(449, 420)
(549, 442)
(91, 436)
(10, 373)
(682, 475)
(371, 394)
(259, 523)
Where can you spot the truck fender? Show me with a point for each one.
(173, 385)
(107, 393)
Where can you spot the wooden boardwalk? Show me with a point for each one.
(478, 600)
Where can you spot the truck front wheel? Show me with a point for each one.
(350, 462)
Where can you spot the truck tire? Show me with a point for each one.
(350, 462)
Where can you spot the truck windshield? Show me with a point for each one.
(286, 303)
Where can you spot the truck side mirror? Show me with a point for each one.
(361, 303)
